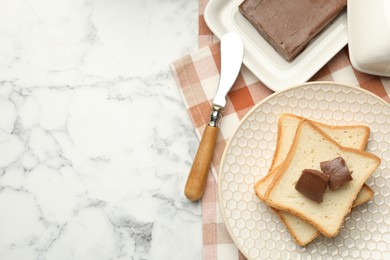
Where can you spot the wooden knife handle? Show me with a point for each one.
(197, 178)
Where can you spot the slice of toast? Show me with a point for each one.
(311, 142)
(355, 136)
(301, 231)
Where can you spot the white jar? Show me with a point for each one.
(369, 36)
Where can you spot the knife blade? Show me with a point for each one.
(232, 51)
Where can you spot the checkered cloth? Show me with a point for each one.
(197, 75)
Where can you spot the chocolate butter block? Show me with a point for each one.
(338, 172)
(289, 25)
(312, 184)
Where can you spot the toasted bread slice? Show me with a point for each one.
(311, 142)
(302, 232)
(355, 136)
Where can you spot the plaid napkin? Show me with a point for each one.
(197, 76)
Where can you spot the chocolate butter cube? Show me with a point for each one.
(338, 172)
(312, 184)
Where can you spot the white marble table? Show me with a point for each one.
(95, 142)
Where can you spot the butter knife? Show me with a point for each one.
(232, 51)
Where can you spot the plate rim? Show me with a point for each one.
(219, 183)
(273, 82)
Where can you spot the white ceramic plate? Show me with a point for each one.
(254, 227)
(272, 69)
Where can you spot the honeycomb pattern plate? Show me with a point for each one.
(253, 226)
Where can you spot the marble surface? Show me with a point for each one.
(95, 142)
